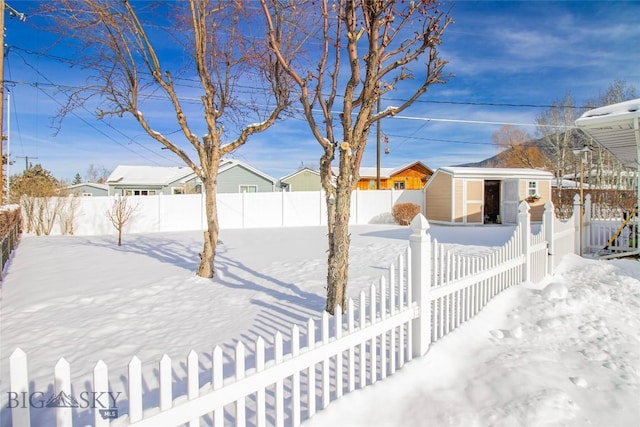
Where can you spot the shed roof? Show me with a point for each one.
(494, 173)
(615, 127)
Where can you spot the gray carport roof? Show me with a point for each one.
(615, 127)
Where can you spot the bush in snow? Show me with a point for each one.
(403, 213)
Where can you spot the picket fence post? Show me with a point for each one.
(524, 225)
(420, 244)
(19, 383)
(577, 208)
(548, 225)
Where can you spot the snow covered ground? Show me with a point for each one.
(563, 352)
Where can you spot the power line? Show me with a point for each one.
(252, 89)
(479, 122)
(105, 123)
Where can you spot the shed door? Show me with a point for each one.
(510, 200)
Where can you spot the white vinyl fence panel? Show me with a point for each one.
(235, 210)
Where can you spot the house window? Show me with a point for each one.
(398, 185)
(177, 190)
(532, 189)
(372, 184)
(87, 194)
(248, 188)
(139, 192)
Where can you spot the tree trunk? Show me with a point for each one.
(339, 242)
(205, 269)
(120, 234)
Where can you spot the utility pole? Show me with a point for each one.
(22, 17)
(2, 6)
(26, 161)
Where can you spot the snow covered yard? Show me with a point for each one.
(565, 354)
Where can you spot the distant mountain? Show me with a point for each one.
(532, 154)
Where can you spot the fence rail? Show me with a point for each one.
(430, 292)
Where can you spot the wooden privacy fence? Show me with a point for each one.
(429, 293)
(10, 222)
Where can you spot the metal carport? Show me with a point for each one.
(616, 128)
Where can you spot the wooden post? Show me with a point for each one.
(586, 224)
(420, 243)
(577, 223)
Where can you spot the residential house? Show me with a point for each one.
(234, 176)
(304, 179)
(152, 180)
(466, 195)
(87, 189)
(412, 176)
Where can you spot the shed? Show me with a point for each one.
(472, 196)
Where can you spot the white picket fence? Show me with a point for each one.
(600, 227)
(430, 292)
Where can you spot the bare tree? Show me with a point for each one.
(380, 41)
(519, 149)
(556, 126)
(120, 213)
(98, 174)
(68, 213)
(220, 52)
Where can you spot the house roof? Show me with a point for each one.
(148, 175)
(226, 164)
(497, 172)
(371, 172)
(615, 127)
(104, 187)
(299, 171)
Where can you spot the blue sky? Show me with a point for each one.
(508, 60)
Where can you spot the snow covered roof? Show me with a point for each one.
(615, 127)
(148, 175)
(497, 172)
(89, 184)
